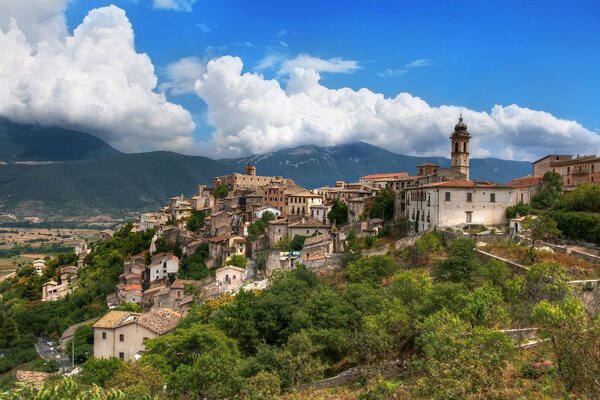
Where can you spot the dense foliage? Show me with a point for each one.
(338, 213)
(383, 206)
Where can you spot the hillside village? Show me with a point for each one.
(237, 234)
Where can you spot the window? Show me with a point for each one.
(469, 216)
(469, 197)
(521, 197)
(492, 197)
(447, 196)
(121, 337)
(122, 356)
(103, 335)
(465, 147)
(456, 147)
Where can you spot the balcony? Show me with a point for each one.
(582, 171)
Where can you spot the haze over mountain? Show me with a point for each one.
(314, 166)
(63, 173)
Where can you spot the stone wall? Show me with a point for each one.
(588, 291)
(484, 256)
(387, 370)
(381, 251)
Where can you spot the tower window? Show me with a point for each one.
(456, 147)
(465, 147)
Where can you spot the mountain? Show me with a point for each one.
(78, 175)
(314, 166)
(20, 142)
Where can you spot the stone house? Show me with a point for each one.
(357, 207)
(525, 188)
(39, 265)
(306, 227)
(317, 247)
(122, 333)
(260, 211)
(162, 265)
(320, 213)
(130, 293)
(276, 230)
(573, 170)
(249, 180)
(52, 290)
(152, 220)
(301, 203)
(219, 224)
(221, 248)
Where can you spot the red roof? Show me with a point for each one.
(384, 176)
(526, 181)
(133, 286)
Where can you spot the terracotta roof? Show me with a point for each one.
(428, 164)
(164, 256)
(526, 181)
(36, 379)
(384, 176)
(112, 319)
(233, 267)
(281, 221)
(160, 320)
(316, 239)
(460, 184)
(551, 155)
(180, 283)
(307, 223)
(132, 286)
(574, 161)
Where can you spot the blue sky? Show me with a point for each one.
(540, 55)
(538, 61)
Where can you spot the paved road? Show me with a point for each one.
(50, 353)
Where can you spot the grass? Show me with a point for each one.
(577, 268)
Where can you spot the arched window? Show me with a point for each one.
(456, 147)
(465, 147)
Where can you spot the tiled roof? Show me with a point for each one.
(461, 184)
(316, 239)
(132, 286)
(160, 320)
(307, 223)
(231, 267)
(36, 379)
(180, 283)
(164, 256)
(112, 319)
(526, 181)
(385, 176)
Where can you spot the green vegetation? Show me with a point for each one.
(193, 265)
(220, 192)
(291, 245)
(383, 207)
(196, 221)
(258, 227)
(338, 213)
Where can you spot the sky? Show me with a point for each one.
(225, 78)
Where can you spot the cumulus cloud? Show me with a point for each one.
(252, 114)
(92, 80)
(175, 5)
(285, 65)
(182, 75)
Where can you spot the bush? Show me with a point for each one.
(578, 225)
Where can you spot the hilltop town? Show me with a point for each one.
(241, 234)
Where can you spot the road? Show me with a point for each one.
(50, 353)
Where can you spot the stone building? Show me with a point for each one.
(162, 265)
(249, 180)
(460, 148)
(573, 170)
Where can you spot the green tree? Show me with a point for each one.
(298, 360)
(220, 192)
(546, 281)
(459, 362)
(383, 207)
(585, 197)
(238, 261)
(540, 227)
(99, 371)
(338, 213)
(196, 221)
(462, 264)
(549, 195)
(82, 344)
(575, 341)
(262, 386)
(297, 242)
(371, 269)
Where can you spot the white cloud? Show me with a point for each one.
(305, 61)
(281, 33)
(182, 75)
(203, 27)
(92, 80)
(252, 114)
(175, 5)
(421, 62)
(393, 72)
(388, 72)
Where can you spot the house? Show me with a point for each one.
(454, 203)
(573, 170)
(229, 278)
(381, 180)
(106, 234)
(52, 291)
(317, 247)
(221, 248)
(320, 213)
(357, 207)
(152, 221)
(130, 293)
(219, 223)
(525, 188)
(306, 227)
(123, 333)
(249, 180)
(301, 203)
(39, 265)
(162, 265)
(273, 210)
(276, 230)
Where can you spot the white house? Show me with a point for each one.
(273, 210)
(162, 265)
(454, 203)
(229, 278)
(39, 266)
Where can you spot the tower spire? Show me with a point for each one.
(460, 147)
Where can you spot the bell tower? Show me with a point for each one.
(460, 147)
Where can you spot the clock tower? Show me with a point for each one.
(460, 147)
